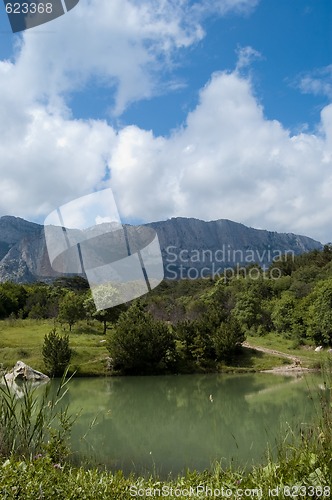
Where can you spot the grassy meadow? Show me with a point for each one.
(22, 339)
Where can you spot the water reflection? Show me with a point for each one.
(172, 422)
(18, 386)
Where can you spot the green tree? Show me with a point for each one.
(320, 313)
(104, 294)
(140, 344)
(73, 283)
(12, 299)
(283, 265)
(38, 301)
(247, 310)
(71, 308)
(283, 314)
(7, 305)
(56, 353)
(186, 332)
(301, 319)
(227, 338)
(206, 326)
(196, 335)
(196, 339)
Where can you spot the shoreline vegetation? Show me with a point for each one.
(23, 340)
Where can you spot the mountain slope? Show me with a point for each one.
(193, 247)
(190, 247)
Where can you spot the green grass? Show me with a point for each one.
(32, 422)
(308, 356)
(23, 340)
(305, 468)
(250, 360)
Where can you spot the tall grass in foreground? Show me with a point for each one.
(304, 456)
(34, 422)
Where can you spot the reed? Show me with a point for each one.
(34, 421)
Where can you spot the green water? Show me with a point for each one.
(168, 423)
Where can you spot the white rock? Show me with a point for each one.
(21, 371)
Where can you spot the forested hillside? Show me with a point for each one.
(293, 298)
(191, 325)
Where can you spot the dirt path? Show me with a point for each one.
(295, 366)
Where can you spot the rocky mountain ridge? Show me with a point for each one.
(190, 247)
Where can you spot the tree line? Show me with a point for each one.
(67, 299)
(297, 305)
(192, 325)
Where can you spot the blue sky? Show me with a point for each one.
(293, 38)
(209, 109)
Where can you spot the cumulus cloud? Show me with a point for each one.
(229, 161)
(226, 161)
(49, 160)
(122, 45)
(46, 156)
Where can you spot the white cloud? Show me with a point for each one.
(120, 44)
(224, 7)
(49, 160)
(318, 82)
(228, 161)
(246, 55)
(123, 45)
(46, 156)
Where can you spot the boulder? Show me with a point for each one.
(21, 371)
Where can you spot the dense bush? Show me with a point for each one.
(140, 344)
(56, 353)
(320, 313)
(227, 338)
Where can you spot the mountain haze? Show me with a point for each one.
(190, 247)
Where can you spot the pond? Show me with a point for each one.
(170, 423)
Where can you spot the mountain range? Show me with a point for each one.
(190, 248)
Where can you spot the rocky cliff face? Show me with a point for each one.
(190, 248)
(193, 248)
(23, 254)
